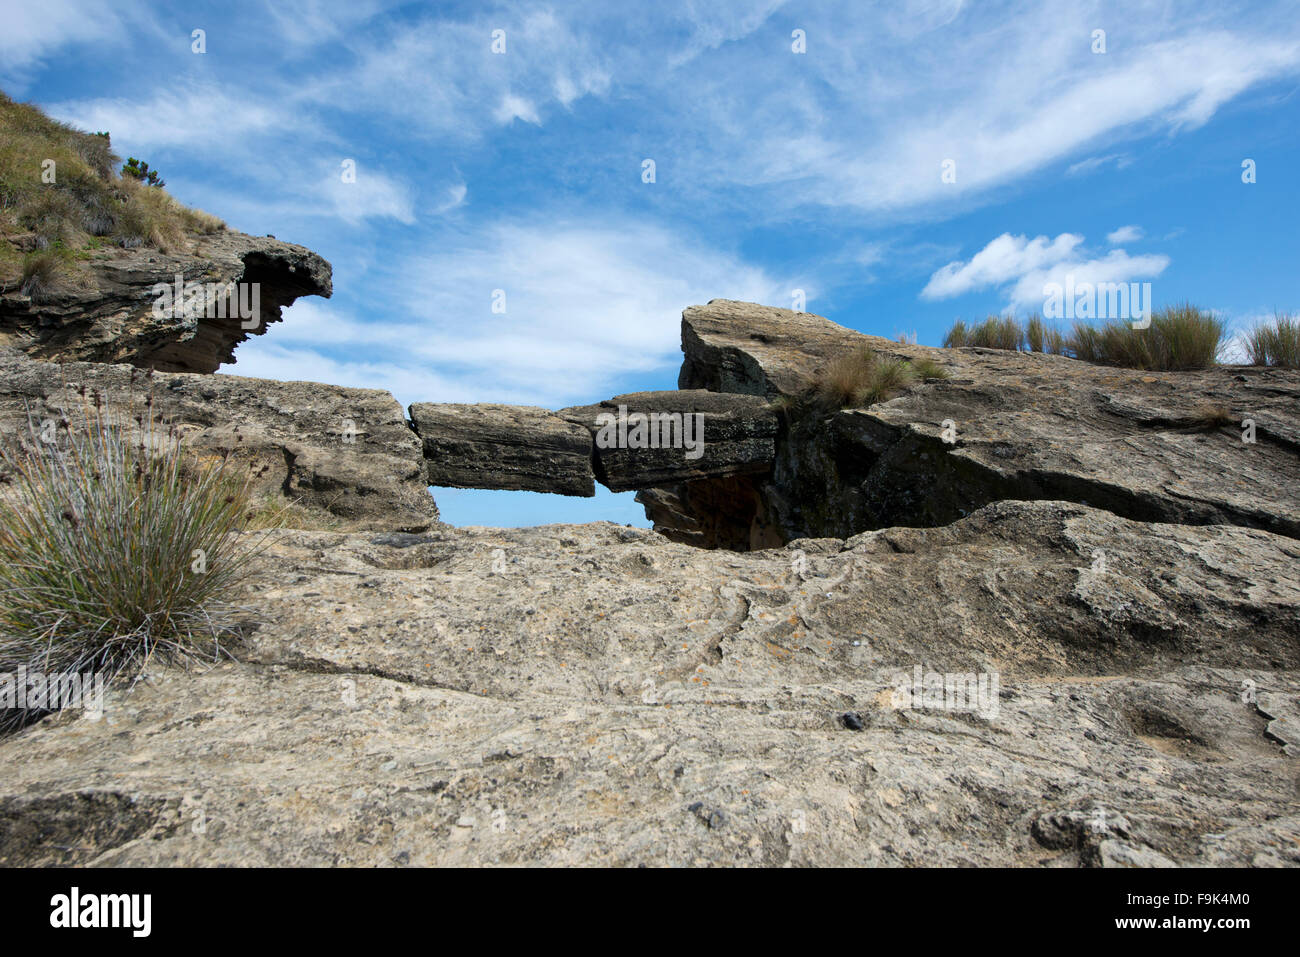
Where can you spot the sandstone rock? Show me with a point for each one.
(112, 320)
(1151, 446)
(504, 447)
(735, 437)
(345, 456)
(615, 698)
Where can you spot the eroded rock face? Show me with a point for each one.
(346, 456)
(615, 698)
(627, 442)
(1153, 446)
(504, 447)
(112, 319)
(726, 435)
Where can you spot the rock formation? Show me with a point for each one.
(1151, 446)
(1038, 613)
(504, 447)
(599, 695)
(112, 318)
(345, 457)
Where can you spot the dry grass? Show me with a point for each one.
(1179, 337)
(1276, 343)
(43, 273)
(863, 378)
(998, 332)
(275, 514)
(1212, 415)
(928, 369)
(115, 545)
(88, 197)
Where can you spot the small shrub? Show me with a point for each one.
(137, 170)
(101, 535)
(1276, 343)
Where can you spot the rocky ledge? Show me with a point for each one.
(1216, 446)
(346, 458)
(1037, 613)
(111, 316)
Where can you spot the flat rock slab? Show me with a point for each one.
(516, 447)
(344, 457)
(644, 439)
(598, 695)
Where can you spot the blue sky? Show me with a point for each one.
(774, 170)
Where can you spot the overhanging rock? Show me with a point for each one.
(112, 317)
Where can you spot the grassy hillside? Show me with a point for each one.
(63, 203)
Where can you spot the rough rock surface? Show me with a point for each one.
(111, 319)
(1153, 446)
(599, 695)
(504, 447)
(736, 437)
(345, 456)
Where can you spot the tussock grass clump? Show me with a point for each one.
(997, 332)
(928, 369)
(863, 378)
(149, 217)
(1041, 337)
(115, 545)
(1008, 332)
(42, 274)
(1276, 343)
(1179, 338)
(1212, 415)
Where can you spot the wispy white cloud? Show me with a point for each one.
(369, 195)
(198, 116)
(586, 306)
(1125, 234)
(33, 31)
(1094, 163)
(1023, 268)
